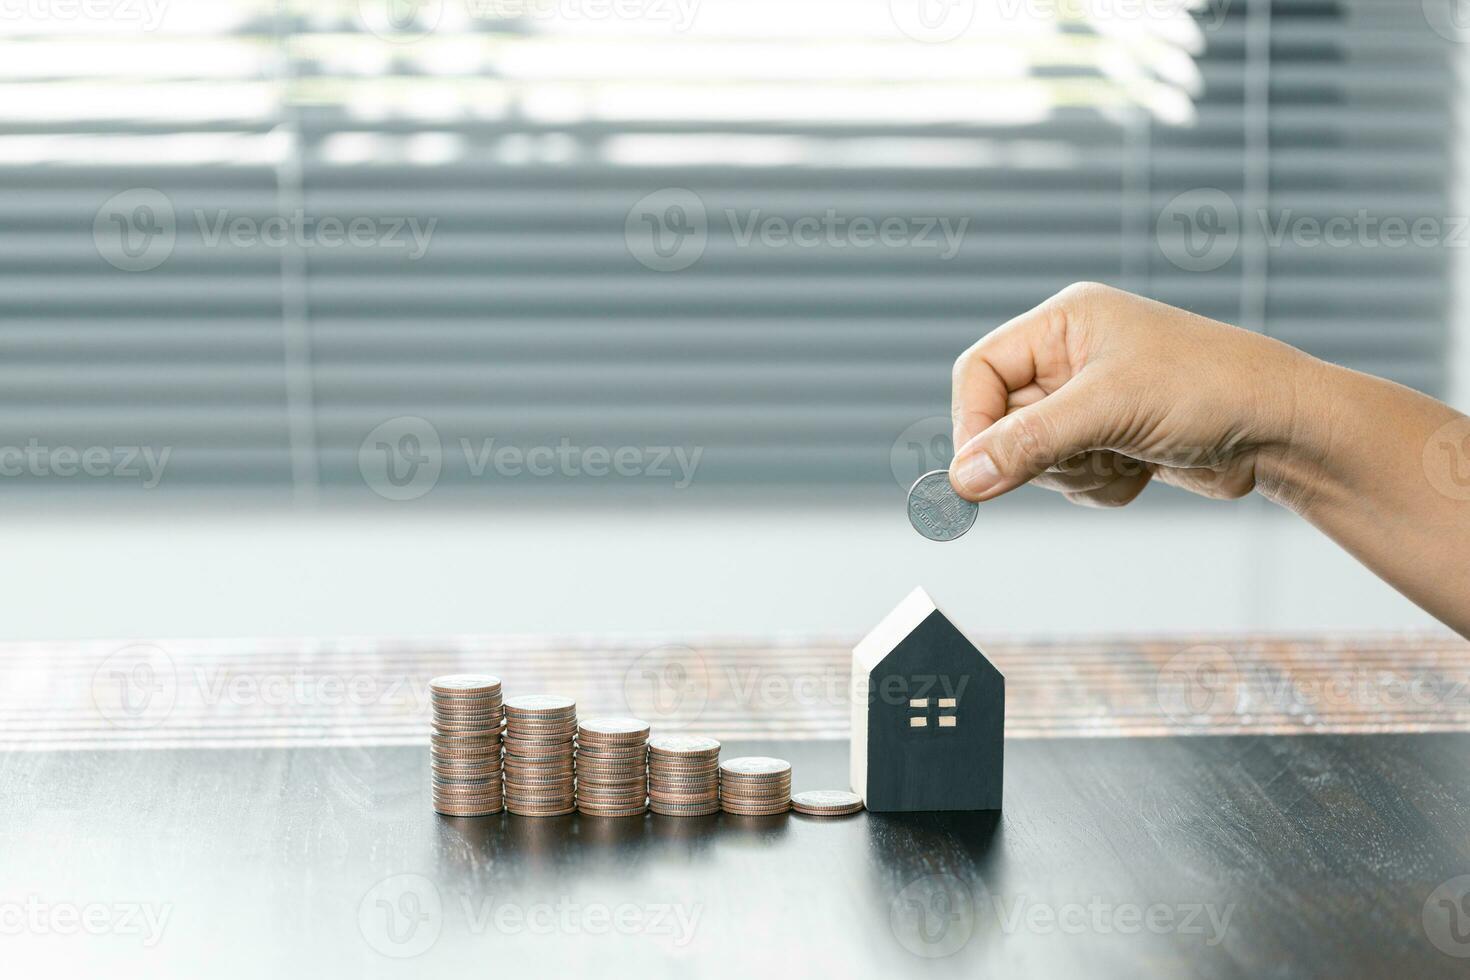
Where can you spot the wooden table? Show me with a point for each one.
(243, 835)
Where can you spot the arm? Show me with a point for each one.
(1097, 392)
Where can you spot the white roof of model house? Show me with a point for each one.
(899, 623)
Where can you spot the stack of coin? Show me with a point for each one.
(683, 775)
(540, 734)
(464, 748)
(612, 767)
(755, 785)
(826, 802)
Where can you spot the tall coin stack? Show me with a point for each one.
(464, 747)
(540, 744)
(612, 767)
(683, 775)
(755, 786)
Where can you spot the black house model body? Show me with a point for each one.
(928, 715)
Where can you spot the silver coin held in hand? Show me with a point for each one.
(936, 511)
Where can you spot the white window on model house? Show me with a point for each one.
(920, 712)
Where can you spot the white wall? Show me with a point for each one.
(1459, 394)
(689, 571)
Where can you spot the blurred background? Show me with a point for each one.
(632, 316)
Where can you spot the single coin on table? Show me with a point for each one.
(936, 511)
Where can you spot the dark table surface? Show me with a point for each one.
(1174, 806)
(1249, 856)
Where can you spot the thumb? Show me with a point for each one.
(1030, 441)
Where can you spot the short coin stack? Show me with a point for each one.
(464, 748)
(540, 743)
(612, 767)
(683, 775)
(826, 802)
(755, 785)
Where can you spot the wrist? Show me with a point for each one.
(1297, 436)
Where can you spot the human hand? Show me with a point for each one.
(1096, 391)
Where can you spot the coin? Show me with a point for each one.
(465, 684)
(936, 511)
(826, 802)
(683, 775)
(756, 765)
(472, 751)
(526, 810)
(677, 810)
(612, 767)
(733, 787)
(540, 748)
(452, 810)
(629, 811)
(766, 811)
(604, 776)
(456, 740)
(755, 785)
(536, 750)
(682, 745)
(464, 745)
(533, 705)
(613, 729)
(612, 759)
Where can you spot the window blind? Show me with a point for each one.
(276, 239)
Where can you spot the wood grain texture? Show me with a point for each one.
(359, 690)
(1321, 851)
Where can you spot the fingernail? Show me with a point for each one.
(977, 473)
